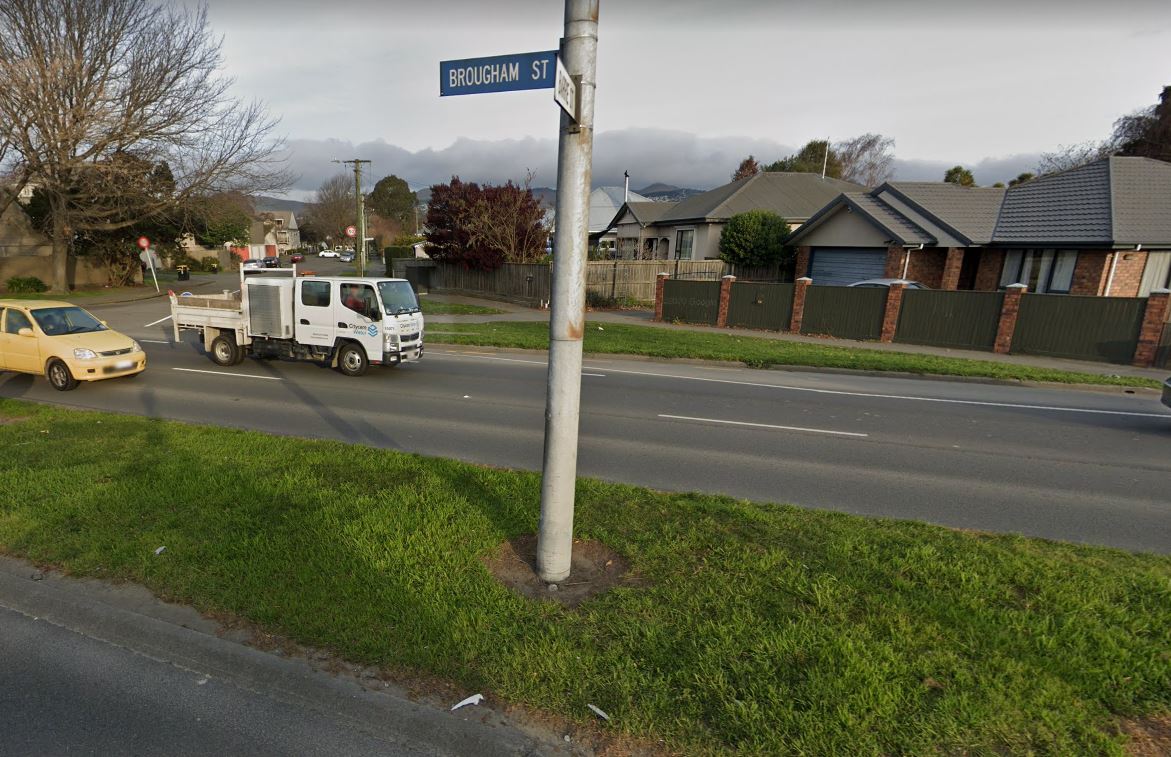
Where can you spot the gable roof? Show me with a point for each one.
(604, 203)
(969, 212)
(1113, 201)
(795, 196)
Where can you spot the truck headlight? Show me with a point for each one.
(81, 353)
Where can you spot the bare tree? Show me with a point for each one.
(94, 89)
(1071, 156)
(333, 206)
(867, 159)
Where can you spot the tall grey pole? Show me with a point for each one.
(575, 147)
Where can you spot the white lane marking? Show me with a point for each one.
(503, 359)
(152, 323)
(944, 400)
(762, 425)
(225, 373)
(152, 341)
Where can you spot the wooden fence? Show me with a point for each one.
(622, 280)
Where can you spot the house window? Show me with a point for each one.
(1043, 271)
(627, 247)
(684, 242)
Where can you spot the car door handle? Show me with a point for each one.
(341, 325)
(304, 321)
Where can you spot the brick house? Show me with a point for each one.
(1103, 229)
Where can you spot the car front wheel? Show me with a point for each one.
(352, 360)
(60, 377)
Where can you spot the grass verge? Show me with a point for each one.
(431, 307)
(622, 339)
(757, 628)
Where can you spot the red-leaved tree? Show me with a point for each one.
(485, 227)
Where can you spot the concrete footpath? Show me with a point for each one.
(514, 313)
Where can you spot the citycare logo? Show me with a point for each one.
(372, 330)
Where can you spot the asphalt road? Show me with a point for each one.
(93, 669)
(1058, 463)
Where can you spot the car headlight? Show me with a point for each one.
(135, 346)
(81, 353)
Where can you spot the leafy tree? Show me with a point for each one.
(810, 159)
(748, 167)
(484, 227)
(90, 90)
(1021, 179)
(959, 175)
(393, 200)
(867, 159)
(754, 238)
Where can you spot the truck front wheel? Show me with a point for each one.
(225, 351)
(351, 360)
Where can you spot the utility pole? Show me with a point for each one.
(579, 53)
(361, 236)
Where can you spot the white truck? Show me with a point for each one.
(347, 322)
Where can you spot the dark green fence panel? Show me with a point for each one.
(844, 312)
(1080, 328)
(967, 320)
(1163, 351)
(760, 306)
(691, 301)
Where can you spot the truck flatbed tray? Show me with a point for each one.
(218, 303)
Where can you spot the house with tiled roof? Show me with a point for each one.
(1103, 229)
(690, 229)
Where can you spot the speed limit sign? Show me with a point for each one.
(351, 231)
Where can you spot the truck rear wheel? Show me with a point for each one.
(351, 360)
(225, 351)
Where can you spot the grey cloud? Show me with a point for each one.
(650, 155)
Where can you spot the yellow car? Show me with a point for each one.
(65, 343)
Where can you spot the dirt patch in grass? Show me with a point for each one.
(1149, 737)
(594, 569)
(4, 421)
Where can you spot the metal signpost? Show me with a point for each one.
(148, 256)
(570, 74)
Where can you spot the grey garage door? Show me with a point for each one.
(839, 266)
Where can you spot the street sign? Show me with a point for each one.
(501, 73)
(351, 231)
(565, 93)
(143, 242)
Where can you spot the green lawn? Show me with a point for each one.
(757, 628)
(431, 307)
(622, 339)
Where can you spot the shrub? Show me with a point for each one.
(209, 263)
(754, 238)
(26, 285)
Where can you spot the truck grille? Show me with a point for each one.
(409, 337)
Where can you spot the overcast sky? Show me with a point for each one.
(686, 88)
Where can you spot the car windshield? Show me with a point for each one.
(66, 320)
(397, 297)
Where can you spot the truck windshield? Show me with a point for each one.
(397, 297)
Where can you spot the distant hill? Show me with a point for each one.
(262, 203)
(661, 192)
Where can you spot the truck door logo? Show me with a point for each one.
(372, 330)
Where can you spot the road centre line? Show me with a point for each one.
(840, 392)
(152, 341)
(225, 373)
(763, 425)
(152, 323)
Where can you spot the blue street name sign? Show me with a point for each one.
(501, 73)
